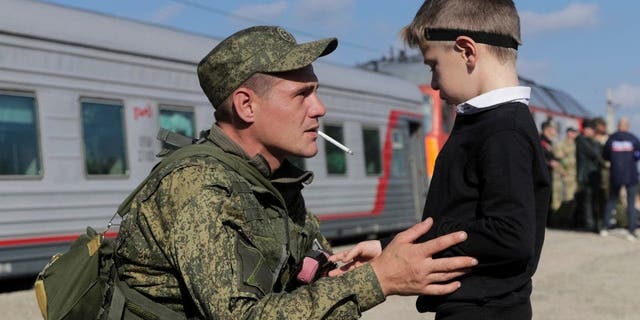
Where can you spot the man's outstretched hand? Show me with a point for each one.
(407, 268)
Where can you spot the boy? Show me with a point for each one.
(490, 178)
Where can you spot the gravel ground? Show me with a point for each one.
(581, 276)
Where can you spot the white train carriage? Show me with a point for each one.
(82, 96)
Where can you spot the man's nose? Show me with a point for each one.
(317, 108)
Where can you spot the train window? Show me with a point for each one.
(336, 159)
(103, 135)
(19, 140)
(371, 142)
(178, 119)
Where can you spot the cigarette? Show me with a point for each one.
(335, 143)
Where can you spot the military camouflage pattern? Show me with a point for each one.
(263, 49)
(566, 152)
(212, 243)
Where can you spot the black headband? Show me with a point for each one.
(494, 39)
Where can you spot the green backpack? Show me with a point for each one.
(81, 274)
(82, 284)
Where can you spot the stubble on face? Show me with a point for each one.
(289, 116)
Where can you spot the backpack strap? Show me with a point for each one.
(203, 149)
(164, 166)
(129, 304)
(237, 164)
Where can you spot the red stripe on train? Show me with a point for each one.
(383, 181)
(64, 238)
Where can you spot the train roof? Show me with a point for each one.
(411, 68)
(61, 24)
(553, 99)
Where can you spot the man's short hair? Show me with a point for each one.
(599, 121)
(497, 17)
(260, 83)
(260, 49)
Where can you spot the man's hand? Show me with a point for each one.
(407, 268)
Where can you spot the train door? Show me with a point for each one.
(418, 169)
(408, 179)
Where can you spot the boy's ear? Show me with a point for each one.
(243, 104)
(468, 50)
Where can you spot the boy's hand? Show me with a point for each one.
(360, 254)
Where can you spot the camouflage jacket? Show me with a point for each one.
(207, 243)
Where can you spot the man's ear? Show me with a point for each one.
(243, 104)
(468, 50)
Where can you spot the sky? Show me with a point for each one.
(583, 47)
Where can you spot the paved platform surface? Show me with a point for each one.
(581, 276)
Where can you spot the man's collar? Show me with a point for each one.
(219, 138)
(494, 98)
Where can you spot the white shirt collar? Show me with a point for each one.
(495, 97)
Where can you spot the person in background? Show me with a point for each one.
(490, 179)
(565, 151)
(601, 135)
(622, 149)
(547, 135)
(588, 162)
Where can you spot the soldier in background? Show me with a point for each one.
(565, 151)
(601, 135)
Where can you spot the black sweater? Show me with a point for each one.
(491, 181)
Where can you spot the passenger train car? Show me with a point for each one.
(82, 96)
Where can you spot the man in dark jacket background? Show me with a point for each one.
(623, 150)
(588, 159)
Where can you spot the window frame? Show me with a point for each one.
(180, 108)
(326, 143)
(38, 134)
(116, 103)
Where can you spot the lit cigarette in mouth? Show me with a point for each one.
(335, 143)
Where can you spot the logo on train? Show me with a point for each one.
(142, 112)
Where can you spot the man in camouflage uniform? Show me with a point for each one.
(214, 239)
(565, 151)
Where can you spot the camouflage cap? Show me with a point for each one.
(263, 49)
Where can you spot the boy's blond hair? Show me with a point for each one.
(493, 16)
